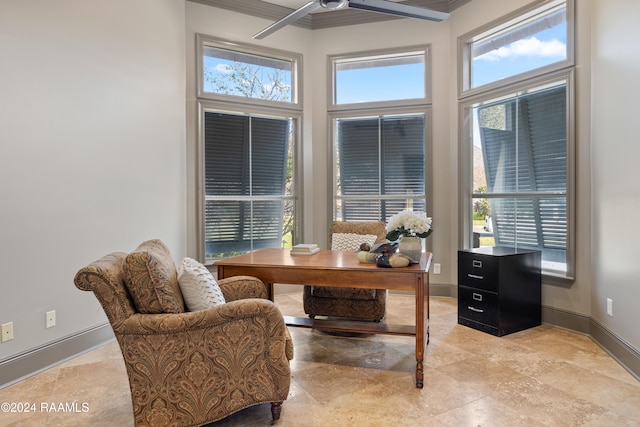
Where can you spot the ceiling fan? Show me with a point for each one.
(382, 6)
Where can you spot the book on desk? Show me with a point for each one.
(304, 249)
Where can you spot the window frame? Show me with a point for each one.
(565, 70)
(237, 105)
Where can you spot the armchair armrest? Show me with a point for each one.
(242, 287)
(174, 323)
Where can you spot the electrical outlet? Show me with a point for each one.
(50, 319)
(436, 268)
(7, 332)
(610, 307)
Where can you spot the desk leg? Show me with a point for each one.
(427, 293)
(270, 294)
(419, 331)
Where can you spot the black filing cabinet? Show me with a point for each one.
(499, 289)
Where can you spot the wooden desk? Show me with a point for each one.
(340, 269)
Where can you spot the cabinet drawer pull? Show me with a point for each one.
(477, 297)
(477, 310)
(475, 276)
(476, 263)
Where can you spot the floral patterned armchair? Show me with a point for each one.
(191, 368)
(353, 303)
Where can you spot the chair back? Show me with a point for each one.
(377, 228)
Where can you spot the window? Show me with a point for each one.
(379, 136)
(249, 202)
(381, 166)
(243, 73)
(517, 158)
(535, 41)
(247, 158)
(233, 73)
(403, 76)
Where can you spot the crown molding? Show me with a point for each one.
(336, 18)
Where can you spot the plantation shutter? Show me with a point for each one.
(245, 158)
(403, 162)
(530, 156)
(359, 158)
(377, 157)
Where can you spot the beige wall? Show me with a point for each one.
(615, 151)
(92, 156)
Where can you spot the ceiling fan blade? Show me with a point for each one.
(293, 16)
(399, 9)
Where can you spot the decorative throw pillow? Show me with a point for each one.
(199, 289)
(351, 241)
(151, 277)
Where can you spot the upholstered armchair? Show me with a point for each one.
(190, 368)
(361, 304)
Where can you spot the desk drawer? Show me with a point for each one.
(478, 271)
(478, 305)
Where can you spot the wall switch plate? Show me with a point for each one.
(7, 332)
(50, 319)
(436, 268)
(610, 307)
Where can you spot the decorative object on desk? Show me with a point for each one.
(385, 252)
(410, 227)
(365, 255)
(392, 261)
(304, 249)
(399, 260)
(382, 260)
(385, 248)
(411, 247)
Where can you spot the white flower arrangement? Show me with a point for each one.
(408, 223)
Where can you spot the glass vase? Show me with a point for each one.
(411, 246)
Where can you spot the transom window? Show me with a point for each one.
(534, 40)
(239, 74)
(397, 77)
(403, 76)
(247, 73)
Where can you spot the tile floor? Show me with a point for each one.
(543, 376)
